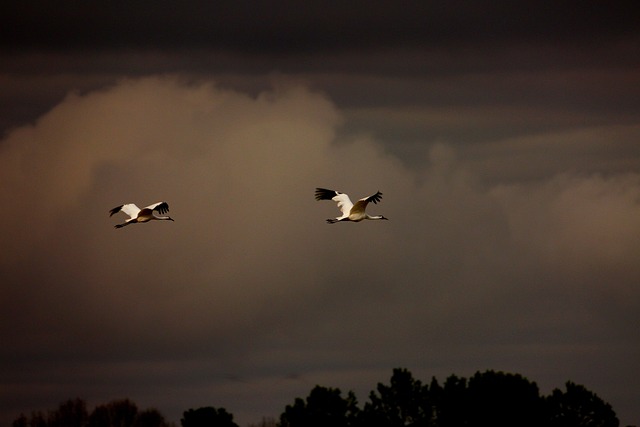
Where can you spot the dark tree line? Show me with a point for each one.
(207, 417)
(489, 398)
(74, 413)
(486, 399)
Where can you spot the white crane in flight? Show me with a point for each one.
(141, 215)
(350, 212)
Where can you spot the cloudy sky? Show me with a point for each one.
(505, 137)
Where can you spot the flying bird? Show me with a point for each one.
(350, 212)
(141, 215)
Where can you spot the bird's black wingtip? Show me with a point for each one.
(325, 194)
(115, 210)
(163, 208)
(376, 198)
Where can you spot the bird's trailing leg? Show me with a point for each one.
(333, 221)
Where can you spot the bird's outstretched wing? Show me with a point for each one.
(130, 209)
(361, 204)
(115, 210)
(343, 201)
(161, 207)
(374, 198)
(324, 194)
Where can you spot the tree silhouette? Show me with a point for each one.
(207, 417)
(489, 398)
(450, 401)
(405, 402)
(323, 407)
(38, 420)
(150, 418)
(117, 413)
(72, 413)
(578, 407)
(500, 399)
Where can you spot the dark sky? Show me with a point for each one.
(504, 136)
(286, 27)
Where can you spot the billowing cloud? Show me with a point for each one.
(249, 299)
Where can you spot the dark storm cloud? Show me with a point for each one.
(361, 53)
(287, 26)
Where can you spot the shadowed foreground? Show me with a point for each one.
(488, 398)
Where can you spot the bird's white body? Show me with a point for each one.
(141, 215)
(350, 212)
